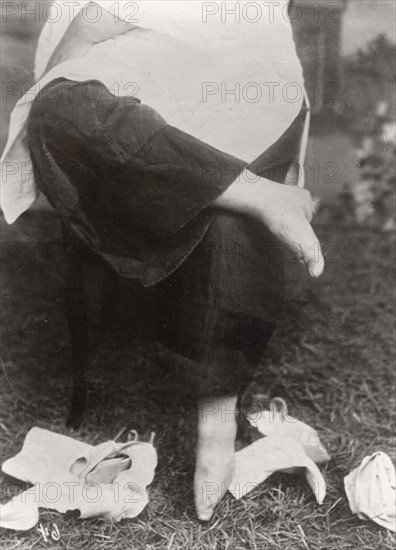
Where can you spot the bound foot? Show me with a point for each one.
(286, 210)
(215, 453)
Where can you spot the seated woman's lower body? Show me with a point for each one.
(110, 171)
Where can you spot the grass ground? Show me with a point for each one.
(336, 373)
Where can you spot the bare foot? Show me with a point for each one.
(215, 453)
(286, 210)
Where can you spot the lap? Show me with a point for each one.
(238, 267)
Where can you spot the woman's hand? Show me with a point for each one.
(286, 211)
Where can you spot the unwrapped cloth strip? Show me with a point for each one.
(371, 490)
(256, 462)
(109, 480)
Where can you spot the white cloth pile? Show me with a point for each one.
(290, 446)
(108, 480)
(371, 490)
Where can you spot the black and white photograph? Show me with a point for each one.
(198, 218)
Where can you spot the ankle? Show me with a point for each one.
(217, 410)
(217, 418)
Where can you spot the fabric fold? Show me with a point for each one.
(109, 480)
(371, 490)
(277, 421)
(256, 462)
(237, 87)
